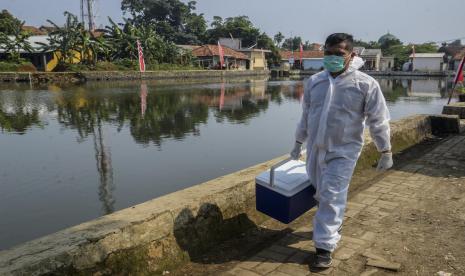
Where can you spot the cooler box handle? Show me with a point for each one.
(279, 164)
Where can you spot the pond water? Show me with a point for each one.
(73, 153)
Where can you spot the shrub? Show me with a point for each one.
(8, 67)
(107, 66)
(27, 67)
(67, 67)
(169, 66)
(14, 67)
(127, 64)
(461, 89)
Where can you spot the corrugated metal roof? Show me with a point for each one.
(428, 55)
(34, 41)
(371, 52)
(33, 30)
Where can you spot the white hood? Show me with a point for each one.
(355, 64)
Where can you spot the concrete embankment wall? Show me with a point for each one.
(168, 231)
(71, 77)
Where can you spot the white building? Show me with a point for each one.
(386, 63)
(428, 62)
(311, 60)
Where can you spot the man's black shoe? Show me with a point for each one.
(323, 259)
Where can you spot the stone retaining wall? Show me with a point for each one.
(170, 230)
(71, 77)
(457, 108)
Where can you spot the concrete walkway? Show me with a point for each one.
(413, 217)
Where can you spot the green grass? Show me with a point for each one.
(460, 89)
(121, 65)
(6, 66)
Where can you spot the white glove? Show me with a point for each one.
(385, 162)
(295, 153)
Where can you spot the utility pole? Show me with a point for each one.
(90, 14)
(83, 20)
(87, 11)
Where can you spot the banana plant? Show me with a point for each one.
(16, 43)
(64, 40)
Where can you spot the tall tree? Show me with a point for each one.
(173, 19)
(8, 23)
(241, 27)
(238, 27)
(278, 38)
(292, 43)
(367, 45)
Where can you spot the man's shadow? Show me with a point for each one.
(208, 238)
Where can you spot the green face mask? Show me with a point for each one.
(333, 63)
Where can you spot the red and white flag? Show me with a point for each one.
(221, 53)
(459, 75)
(141, 57)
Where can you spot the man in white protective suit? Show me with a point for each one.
(337, 104)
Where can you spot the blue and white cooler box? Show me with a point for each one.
(284, 192)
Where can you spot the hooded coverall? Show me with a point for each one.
(335, 111)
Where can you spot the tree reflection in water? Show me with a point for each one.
(105, 170)
(18, 113)
(152, 114)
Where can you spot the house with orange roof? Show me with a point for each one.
(311, 60)
(208, 56)
(257, 57)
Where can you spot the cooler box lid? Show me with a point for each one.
(289, 179)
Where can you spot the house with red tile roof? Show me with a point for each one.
(33, 30)
(208, 56)
(311, 60)
(257, 57)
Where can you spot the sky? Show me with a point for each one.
(412, 21)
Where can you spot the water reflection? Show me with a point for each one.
(143, 99)
(105, 170)
(171, 114)
(92, 149)
(19, 112)
(424, 89)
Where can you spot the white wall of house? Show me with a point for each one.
(428, 64)
(386, 63)
(312, 63)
